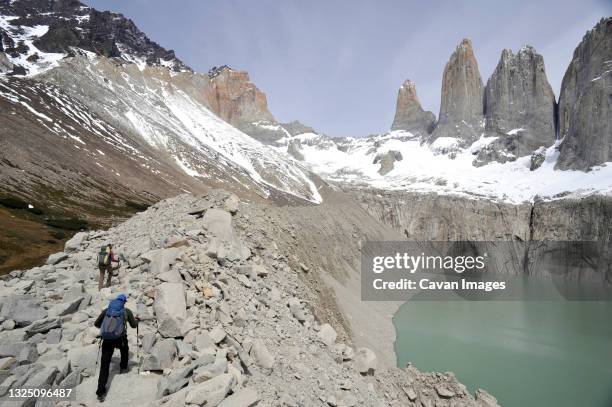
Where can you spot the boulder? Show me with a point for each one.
(260, 353)
(327, 335)
(246, 397)
(160, 260)
(365, 361)
(295, 306)
(170, 309)
(56, 258)
(224, 244)
(217, 334)
(231, 204)
(211, 392)
(43, 326)
(65, 308)
(75, 242)
(83, 358)
(161, 356)
(22, 311)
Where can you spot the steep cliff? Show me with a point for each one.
(461, 108)
(235, 99)
(409, 115)
(519, 107)
(585, 103)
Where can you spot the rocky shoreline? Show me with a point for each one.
(229, 317)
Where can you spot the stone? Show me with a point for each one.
(210, 392)
(203, 341)
(387, 161)
(160, 260)
(327, 335)
(444, 391)
(244, 280)
(75, 242)
(43, 326)
(409, 115)
(170, 309)
(217, 334)
(174, 382)
(295, 306)
(231, 204)
(22, 311)
(461, 107)
(147, 341)
(23, 285)
(207, 372)
(142, 311)
(65, 308)
(537, 159)
(8, 325)
(161, 356)
(42, 378)
(365, 361)
(7, 362)
(54, 336)
(171, 276)
(55, 258)
(246, 397)
(224, 243)
(410, 393)
(260, 353)
(28, 354)
(585, 111)
(83, 359)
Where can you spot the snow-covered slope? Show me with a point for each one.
(167, 111)
(444, 168)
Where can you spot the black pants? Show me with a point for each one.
(108, 347)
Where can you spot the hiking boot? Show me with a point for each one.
(101, 397)
(124, 370)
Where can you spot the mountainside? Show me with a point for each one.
(585, 104)
(228, 317)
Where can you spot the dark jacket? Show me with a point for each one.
(129, 317)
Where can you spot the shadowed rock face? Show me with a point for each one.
(295, 128)
(461, 108)
(585, 104)
(409, 115)
(519, 107)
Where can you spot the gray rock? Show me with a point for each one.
(170, 309)
(207, 372)
(519, 107)
(147, 341)
(295, 306)
(65, 308)
(174, 382)
(160, 260)
(27, 355)
(537, 159)
(260, 353)
(217, 334)
(75, 242)
(409, 115)
(43, 326)
(54, 336)
(42, 378)
(387, 161)
(327, 335)
(7, 362)
(365, 361)
(444, 391)
(231, 204)
(143, 312)
(71, 380)
(22, 311)
(241, 398)
(161, 356)
(461, 107)
(211, 392)
(484, 399)
(83, 358)
(224, 244)
(585, 111)
(204, 341)
(56, 258)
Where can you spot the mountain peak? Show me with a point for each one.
(409, 115)
(38, 33)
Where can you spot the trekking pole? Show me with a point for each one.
(99, 347)
(138, 343)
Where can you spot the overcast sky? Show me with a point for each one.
(336, 65)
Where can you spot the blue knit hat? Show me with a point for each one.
(122, 297)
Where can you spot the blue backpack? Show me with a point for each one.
(113, 324)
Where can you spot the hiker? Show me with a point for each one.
(105, 264)
(113, 332)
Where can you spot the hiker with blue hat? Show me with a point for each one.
(113, 333)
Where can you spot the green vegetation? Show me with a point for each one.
(67, 224)
(137, 206)
(13, 203)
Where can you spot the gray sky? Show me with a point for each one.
(336, 65)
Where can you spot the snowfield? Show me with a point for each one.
(424, 169)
